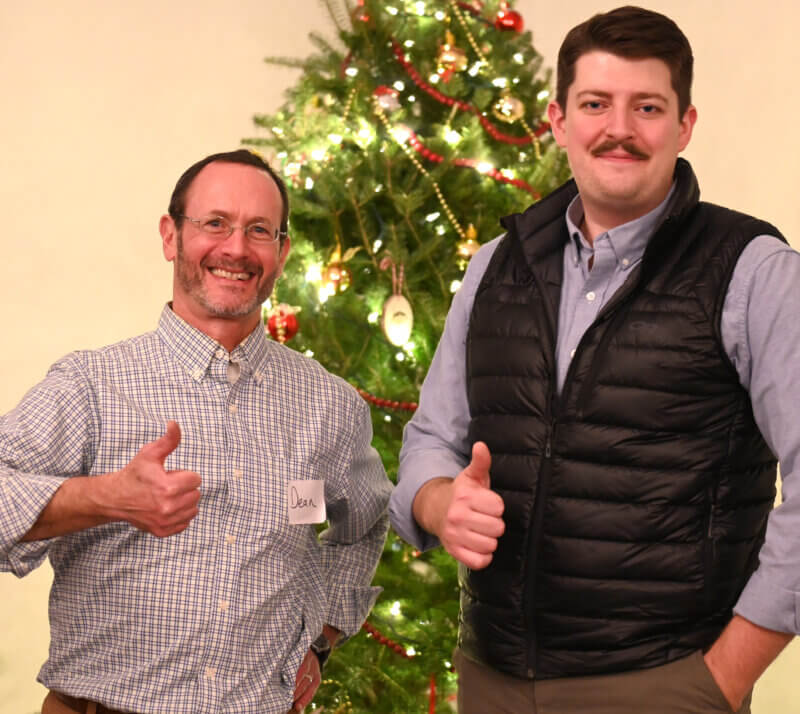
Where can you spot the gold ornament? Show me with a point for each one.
(451, 58)
(468, 247)
(508, 108)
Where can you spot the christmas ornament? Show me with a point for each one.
(282, 322)
(387, 98)
(508, 19)
(451, 58)
(397, 318)
(508, 108)
(336, 278)
(466, 249)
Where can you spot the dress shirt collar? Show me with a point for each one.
(628, 241)
(195, 350)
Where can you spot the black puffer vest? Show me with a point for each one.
(636, 501)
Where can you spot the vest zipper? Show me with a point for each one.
(537, 528)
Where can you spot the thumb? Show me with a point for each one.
(478, 469)
(165, 445)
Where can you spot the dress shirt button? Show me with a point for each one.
(220, 354)
(258, 377)
(211, 672)
(230, 539)
(197, 373)
(237, 474)
(233, 409)
(590, 296)
(626, 262)
(572, 353)
(224, 605)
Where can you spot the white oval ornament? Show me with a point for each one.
(397, 320)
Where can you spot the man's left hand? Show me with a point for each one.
(306, 682)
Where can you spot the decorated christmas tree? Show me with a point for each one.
(402, 145)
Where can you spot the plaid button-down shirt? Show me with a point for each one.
(218, 618)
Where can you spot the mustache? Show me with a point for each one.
(632, 149)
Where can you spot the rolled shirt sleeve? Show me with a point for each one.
(43, 440)
(353, 543)
(761, 333)
(435, 441)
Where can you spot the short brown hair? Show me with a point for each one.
(177, 202)
(633, 33)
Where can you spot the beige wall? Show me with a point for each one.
(105, 103)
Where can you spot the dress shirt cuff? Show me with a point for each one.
(767, 604)
(417, 468)
(349, 606)
(22, 499)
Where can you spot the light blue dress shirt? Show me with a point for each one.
(761, 335)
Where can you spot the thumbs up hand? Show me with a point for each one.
(464, 512)
(149, 497)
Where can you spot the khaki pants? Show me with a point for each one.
(681, 687)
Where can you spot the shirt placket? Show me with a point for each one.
(226, 376)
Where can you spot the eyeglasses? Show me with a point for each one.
(220, 227)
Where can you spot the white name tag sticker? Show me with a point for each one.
(306, 501)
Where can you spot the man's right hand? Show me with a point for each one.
(149, 497)
(464, 512)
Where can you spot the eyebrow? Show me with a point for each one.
(226, 215)
(608, 95)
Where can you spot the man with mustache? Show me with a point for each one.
(598, 433)
(175, 479)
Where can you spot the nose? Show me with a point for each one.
(236, 243)
(620, 123)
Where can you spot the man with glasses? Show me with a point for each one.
(175, 479)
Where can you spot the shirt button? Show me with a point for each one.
(237, 474)
(258, 377)
(572, 353)
(220, 354)
(197, 373)
(224, 605)
(590, 296)
(233, 409)
(230, 539)
(626, 262)
(211, 672)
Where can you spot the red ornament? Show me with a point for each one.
(282, 322)
(508, 20)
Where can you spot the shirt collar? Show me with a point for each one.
(628, 241)
(195, 350)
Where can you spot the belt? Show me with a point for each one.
(84, 706)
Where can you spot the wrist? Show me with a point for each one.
(431, 503)
(321, 647)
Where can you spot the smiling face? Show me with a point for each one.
(219, 284)
(623, 134)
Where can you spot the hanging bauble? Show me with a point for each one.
(387, 98)
(508, 20)
(508, 108)
(336, 278)
(468, 247)
(397, 320)
(451, 58)
(282, 322)
(397, 317)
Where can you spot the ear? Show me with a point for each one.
(287, 244)
(687, 125)
(169, 237)
(557, 119)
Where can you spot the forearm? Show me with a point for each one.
(80, 502)
(741, 654)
